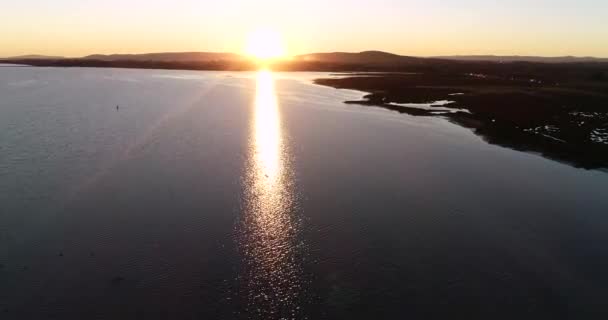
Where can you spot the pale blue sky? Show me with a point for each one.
(79, 27)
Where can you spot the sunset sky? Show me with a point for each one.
(410, 27)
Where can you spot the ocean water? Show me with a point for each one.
(256, 195)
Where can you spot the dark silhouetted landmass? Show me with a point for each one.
(365, 57)
(334, 61)
(559, 111)
(179, 57)
(338, 61)
(241, 65)
(33, 57)
(492, 58)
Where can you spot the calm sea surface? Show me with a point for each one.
(204, 195)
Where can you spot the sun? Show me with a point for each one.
(265, 44)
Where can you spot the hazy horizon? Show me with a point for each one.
(430, 28)
(303, 53)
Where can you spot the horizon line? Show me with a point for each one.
(317, 52)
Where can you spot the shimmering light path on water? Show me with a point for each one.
(271, 276)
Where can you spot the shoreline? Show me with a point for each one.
(557, 122)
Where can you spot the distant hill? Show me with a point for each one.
(365, 57)
(382, 58)
(34, 57)
(169, 56)
(492, 58)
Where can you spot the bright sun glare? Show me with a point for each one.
(265, 44)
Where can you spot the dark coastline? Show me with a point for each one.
(217, 65)
(564, 119)
(133, 64)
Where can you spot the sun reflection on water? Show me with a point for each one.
(271, 277)
(267, 131)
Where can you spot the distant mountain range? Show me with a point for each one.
(168, 56)
(34, 57)
(365, 57)
(376, 57)
(492, 58)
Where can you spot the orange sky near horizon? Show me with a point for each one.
(410, 27)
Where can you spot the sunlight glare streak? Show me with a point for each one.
(269, 231)
(267, 128)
